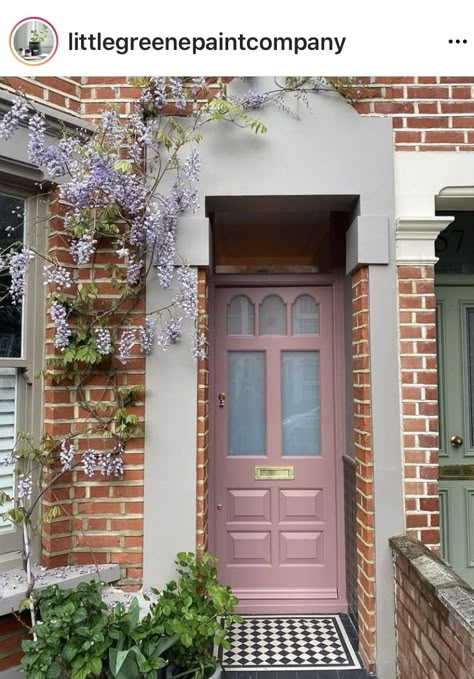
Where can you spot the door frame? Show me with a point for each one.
(335, 281)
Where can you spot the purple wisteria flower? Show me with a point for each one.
(66, 455)
(83, 248)
(178, 93)
(111, 464)
(63, 331)
(36, 142)
(103, 341)
(58, 275)
(127, 341)
(192, 166)
(146, 335)
(55, 157)
(155, 93)
(54, 162)
(110, 123)
(89, 462)
(18, 266)
(198, 84)
(24, 487)
(134, 270)
(319, 83)
(11, 121)
(199, 345)
(165, 253)
(172, 331)
(187, 296)
(254, 99)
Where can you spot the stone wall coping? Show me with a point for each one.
(13, 584)
(451, 590)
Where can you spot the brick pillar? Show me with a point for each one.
(365, 543)
(101, 518)
(419, 384)
(202, 425)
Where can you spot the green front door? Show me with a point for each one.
(455, 321)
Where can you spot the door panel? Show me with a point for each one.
(455, 320)
(274, 468)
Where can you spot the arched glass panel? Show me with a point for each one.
(305, 316)
(272, 316)
(240, 316)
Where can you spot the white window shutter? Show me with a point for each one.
(7, 435)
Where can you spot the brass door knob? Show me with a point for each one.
(456, 441)
(219, 506)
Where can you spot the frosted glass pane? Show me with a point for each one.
(246, 409)
(7, 434)
(305, 316)
(301, 411)
(240, 317)
(273, 316)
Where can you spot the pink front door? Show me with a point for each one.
(274, 459)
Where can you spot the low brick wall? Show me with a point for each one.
(434, 615)
(12, 632)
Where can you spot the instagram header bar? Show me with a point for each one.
(251, 38)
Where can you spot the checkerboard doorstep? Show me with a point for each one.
(285, 643)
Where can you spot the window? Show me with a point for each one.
(21, 340)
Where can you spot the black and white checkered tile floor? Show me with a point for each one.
(300, 647)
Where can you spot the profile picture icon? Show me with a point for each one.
(33, 41)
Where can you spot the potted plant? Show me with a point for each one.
(199, 610)
(38, 35)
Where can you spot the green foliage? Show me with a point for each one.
(72, 635)
(39, 34)
(82, 349)
(198, 609)
(79, 638)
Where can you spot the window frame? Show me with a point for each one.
(29, 390)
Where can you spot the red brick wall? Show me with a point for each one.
(362, 409)
(12, 633)
(62, 93)
(102, 518)
(430, 113)
(419, 380)
(432, 642)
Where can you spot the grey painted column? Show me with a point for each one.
(171, 430)
(368, 242)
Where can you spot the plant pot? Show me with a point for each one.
(171, 670)
(217, 673)
(35, 48)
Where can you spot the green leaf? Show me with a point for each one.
(79, 616)
(69, 652)
(95, 666)
(165, 644)
(117, 659)
(123, 166)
